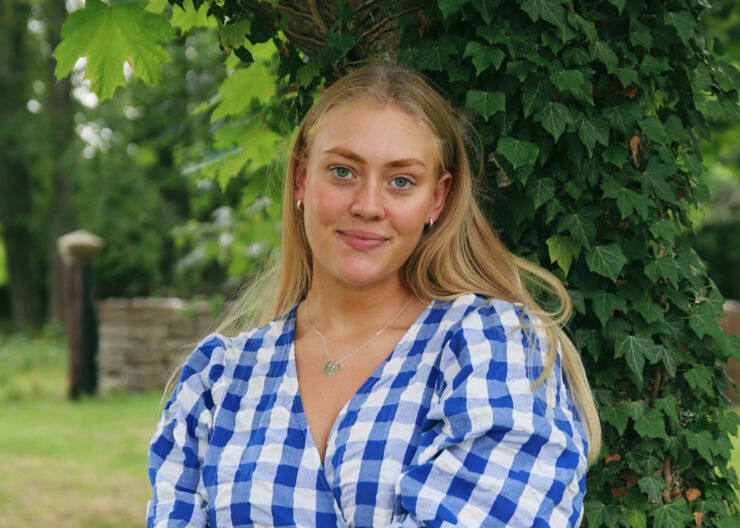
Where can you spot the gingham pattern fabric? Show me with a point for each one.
(448, 431)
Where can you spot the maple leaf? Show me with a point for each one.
(109, 35)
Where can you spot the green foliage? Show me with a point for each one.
(103, 33)
(590, 115)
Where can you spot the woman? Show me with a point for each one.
(403, 375)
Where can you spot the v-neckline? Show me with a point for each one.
(293, 374)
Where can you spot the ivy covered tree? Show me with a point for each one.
(588, 116)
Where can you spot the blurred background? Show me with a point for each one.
(184, 215)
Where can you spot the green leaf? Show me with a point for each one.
(592, 130)
(485, 103)
(634, 409)
(518, 152)
(187, 17)
(701, 378)
(665, 229)
(626, 76)
(683, 21)
(231, 35)
(533, 98)
(674, 128)
(627, 199)
(652, 425)
(486, 8)
(554, 118)
(623, 117)
(432, 59)
(449, 7)
(483, 56)
(104, 35)
(603, 303)
(580, 226)
(633, 349)
(637, 517)
(563, 250)
(654, 130)
(653, 486)
(703, 443)
(541, 191)
(616, 416)
(601, 51)
(607, 260)
(664, 267)
(589, 339)
(550, 10)
(654, 174)
(675, 514)
(703, 321)
(652, 65)
(567, 80)
(649, 311)
(619, 4)
(669, 405)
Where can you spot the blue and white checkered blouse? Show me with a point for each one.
(448, 431)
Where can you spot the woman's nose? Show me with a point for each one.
(368, 200)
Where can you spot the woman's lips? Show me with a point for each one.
(362, 240)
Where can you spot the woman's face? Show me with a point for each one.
(368, 186)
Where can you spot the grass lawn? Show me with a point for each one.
(69, 464)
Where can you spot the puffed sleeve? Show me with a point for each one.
(496, 450)
(179, 443)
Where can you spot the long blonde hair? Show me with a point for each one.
(462, 254)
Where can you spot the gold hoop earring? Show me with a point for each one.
(430, 223)
(299, 204)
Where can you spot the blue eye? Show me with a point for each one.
(401, 182)
(341, 171)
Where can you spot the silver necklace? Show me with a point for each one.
(331, 367)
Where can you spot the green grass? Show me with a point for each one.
(68, 464)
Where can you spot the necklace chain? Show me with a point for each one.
(331, 367)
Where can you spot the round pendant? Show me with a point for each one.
(330, 368)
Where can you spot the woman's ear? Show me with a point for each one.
(441, 188)
(299, 176)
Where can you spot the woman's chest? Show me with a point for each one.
(262, 465)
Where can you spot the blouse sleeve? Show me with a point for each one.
(179, 443)
(496, 450)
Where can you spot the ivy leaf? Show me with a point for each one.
(669, 405)
(619, 4)
(607, 260)
(516, 151)
(589, 339)
(664, 267)
(623, 117)
(592, 130)
(666, 229)
(485, 103)
(649, 311)
(104, 35)
(670, 362)
(626, 76)
(675, 514)
(541, 190)
(634, 409)
(633, 349)
(563, 250)
(533, 98)
(683, 21)
(703, 322)
(601, 51)
(451, 6)
(554, 118)
(432, 59)
(486, 8)
(616, 416)
(603, 303)
(567, 80)
(627, 199)
(654, 130)
(653, 486)
(674, 128)
(655, 173)
(703, 443)
(701, 378)
(580, 226)
(652, 425)
(483, 56)
(550, 10)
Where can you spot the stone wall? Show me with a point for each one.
(139, 339)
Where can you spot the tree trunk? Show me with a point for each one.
(15, 178)
(60, 111)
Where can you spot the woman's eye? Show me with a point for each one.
(401, 182)
(341, 172)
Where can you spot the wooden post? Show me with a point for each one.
(78, 250)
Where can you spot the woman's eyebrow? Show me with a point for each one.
(346, 153)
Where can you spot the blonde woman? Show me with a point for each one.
(399, 374)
